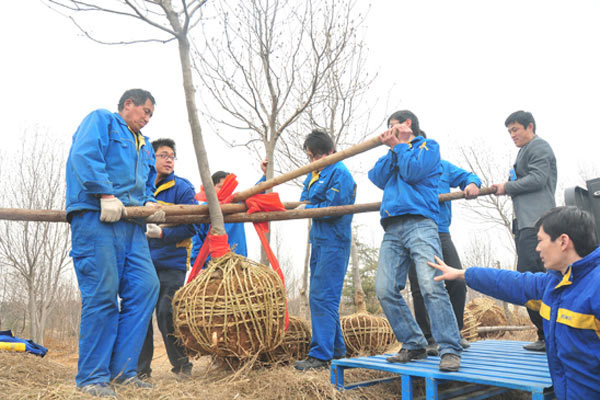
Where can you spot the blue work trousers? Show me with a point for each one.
(328, 264)
(111, 261)
(414, 238)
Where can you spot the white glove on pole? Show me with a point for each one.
(111, 209)
(153, 231)
(301, 206)
(158, 216)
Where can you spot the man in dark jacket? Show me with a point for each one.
(568, 293)
(531, 186)
(170, 248)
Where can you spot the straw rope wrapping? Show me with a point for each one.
(486, 312)
(366, 334)
(470, 325)
(236, 307)
(295, 345)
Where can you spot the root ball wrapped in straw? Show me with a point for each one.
(235, 308)
(366, 334)
(295, 345)
(486, 312)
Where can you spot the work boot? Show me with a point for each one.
(311, 363)
(405, 356)
(183, 374)
(450, 362)
(134, 381)
(432, 349)
(464, 343)
(98, 390)
(538, 345)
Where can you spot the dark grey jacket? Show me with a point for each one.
(533, 191)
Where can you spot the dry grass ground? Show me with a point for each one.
(24, 376)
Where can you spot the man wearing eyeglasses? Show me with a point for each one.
(170, 250)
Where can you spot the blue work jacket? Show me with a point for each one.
(452, 176)
(331, 186)
(106, 157)
(172, 250)
(570, 307)
(236, 237)
(409, 176)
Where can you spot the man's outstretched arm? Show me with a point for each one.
(514, 287)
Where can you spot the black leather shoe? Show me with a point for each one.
(432, 349)
(311, 363)
(538, 345)
(405, 356)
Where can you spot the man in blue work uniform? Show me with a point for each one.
(170, 248)
(110, 166)
(570, 305)
(330, 239)
(452, 176)
(409, 176)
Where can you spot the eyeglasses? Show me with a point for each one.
(166, 157)
(312, 157)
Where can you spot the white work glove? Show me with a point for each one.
(153, 231)
(111, 209)
(301, 206)
(158, 216)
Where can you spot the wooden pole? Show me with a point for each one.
(22, 214)
(185, 213)
(484, 191)
(487, 329)
(279, 215)
(313, 166)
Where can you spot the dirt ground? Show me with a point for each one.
(24, 376)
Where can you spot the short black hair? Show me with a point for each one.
(402, 116)
(138, 96)
(217, 176)
(573, 222)
(522, 117)
(318, 142)
(164, 142)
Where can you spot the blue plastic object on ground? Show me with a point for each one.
(487, 368)
(30, 346)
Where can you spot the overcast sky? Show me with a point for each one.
(461, 66)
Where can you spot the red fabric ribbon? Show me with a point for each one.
(268, 202)
(216, 245)
(225, 193)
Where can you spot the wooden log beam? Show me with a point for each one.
(279, 215)
(192, 209)
(199, 213)
(488, 329)
(313, 166)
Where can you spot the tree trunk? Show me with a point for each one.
(33, 315)
(305, 274)
(359, 293)
(216, 217)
